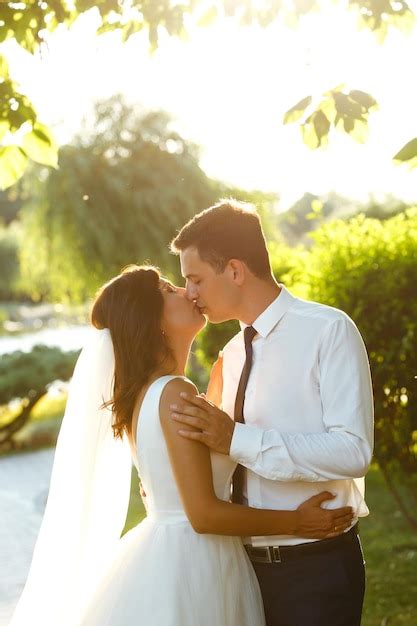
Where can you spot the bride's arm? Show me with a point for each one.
(208, 514)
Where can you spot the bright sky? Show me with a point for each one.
(228, 87)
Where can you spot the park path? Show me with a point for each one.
(24, 484)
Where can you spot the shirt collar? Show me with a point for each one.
(270, 317)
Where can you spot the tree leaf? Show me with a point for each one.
(302, 7)
(294, 114)
(348, 124)
(40, 146)
(408, 152)
(129, 29)
(347, 107)
(43, 133)
(4, 67)
(107, 27)
(208, 17)
(364, 98)
(329, 109)
(321, 125)
(13, 161)
(360, 131)
(309, 134)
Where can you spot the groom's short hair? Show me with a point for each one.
(227, 230)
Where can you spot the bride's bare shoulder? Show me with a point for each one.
(172, 390)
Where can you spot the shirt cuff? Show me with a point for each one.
(246, 444)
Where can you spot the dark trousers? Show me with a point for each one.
(315, 589)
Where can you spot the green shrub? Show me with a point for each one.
(26, 376)
(368, 268)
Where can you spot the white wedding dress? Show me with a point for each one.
(163, 572)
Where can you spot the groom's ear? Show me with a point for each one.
(237, 271)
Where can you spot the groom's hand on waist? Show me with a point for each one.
(216, 427)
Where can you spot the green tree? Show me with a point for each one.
(121, 192)
(29, 23)
(304, 216)
(26, 376)
(368, 269)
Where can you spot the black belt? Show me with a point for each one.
(277, 554)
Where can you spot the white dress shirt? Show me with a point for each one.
(308, 409)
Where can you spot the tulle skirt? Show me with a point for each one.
(166, 574)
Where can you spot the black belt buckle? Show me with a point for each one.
(264, 554)
(276, 554)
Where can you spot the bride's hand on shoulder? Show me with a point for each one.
(314, 522)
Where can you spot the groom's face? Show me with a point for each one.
(213, 293)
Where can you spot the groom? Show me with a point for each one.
(297, 384)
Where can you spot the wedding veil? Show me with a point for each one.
(88, 498)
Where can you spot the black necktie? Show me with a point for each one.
(237, 479)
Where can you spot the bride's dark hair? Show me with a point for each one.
(131, 307)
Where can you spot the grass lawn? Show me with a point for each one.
(390, 551)
(391, 560)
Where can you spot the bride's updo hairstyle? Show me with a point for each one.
(131, 307)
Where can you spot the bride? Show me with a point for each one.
(185, 564)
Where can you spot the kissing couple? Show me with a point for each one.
(253, 490)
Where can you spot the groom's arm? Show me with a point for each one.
(344, 450)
